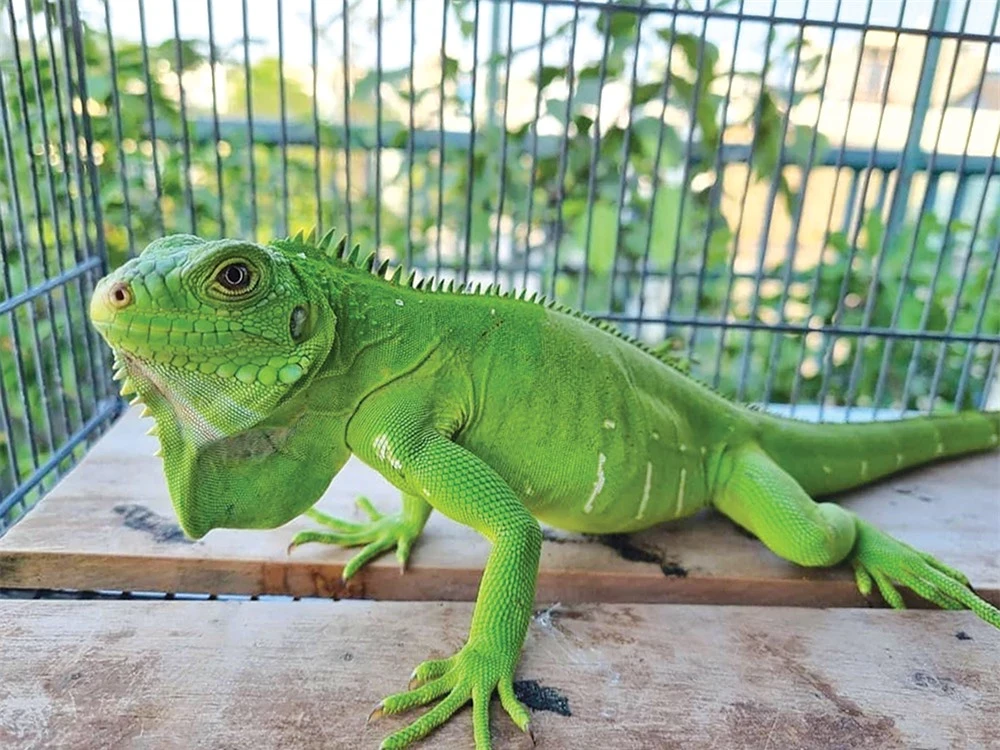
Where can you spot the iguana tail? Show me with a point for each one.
(827, 458)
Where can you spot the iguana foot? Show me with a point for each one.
(886, 561)
(473, 673)
(381, 534)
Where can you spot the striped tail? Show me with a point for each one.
(827, 458)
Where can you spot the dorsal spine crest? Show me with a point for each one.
(308, 245)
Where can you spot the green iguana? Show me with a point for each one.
(266, 366)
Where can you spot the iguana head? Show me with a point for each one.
(213, 337)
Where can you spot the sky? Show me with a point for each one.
(263, 25)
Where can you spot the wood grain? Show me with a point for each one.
(103, 674)
(109, 525)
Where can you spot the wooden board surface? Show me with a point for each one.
(305, 674)
(109, 525)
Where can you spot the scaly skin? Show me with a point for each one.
(266, 367)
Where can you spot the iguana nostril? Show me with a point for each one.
(120, 295)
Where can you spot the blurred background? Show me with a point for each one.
(798, 198)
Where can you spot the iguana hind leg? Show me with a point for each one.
(761, 497)
(379, 535)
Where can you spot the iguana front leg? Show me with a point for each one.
(419, 460)
(381, 534)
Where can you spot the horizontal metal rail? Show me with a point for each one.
(47, 286)
(268, 133)
(885, 333)
(675, 9)
(107, 411)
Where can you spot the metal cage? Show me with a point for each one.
(800, 197)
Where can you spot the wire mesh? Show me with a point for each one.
(55, 394)
(800, 196)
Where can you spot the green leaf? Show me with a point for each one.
(556, 108)
(99, 87)
(549, 73)
(588, 91)
(874, 231)
(688, 44)
(767, 138)
(583, 124)
(646, 134)
(718, 243)
(602, 235)
(646, 92)
(838, 241)
(623, 23)
(666, 211)
(364, 87)
(706, 118)
(394, 134)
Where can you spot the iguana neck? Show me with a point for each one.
(382, 333)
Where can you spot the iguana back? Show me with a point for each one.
(638, 442)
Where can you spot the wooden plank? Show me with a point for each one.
(109, 525)
(306, 674)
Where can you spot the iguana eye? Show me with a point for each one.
(234, 277)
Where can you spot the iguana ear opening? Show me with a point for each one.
(299, 324)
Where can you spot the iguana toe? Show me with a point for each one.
(474, 673)
(879, 558)
(379, 535)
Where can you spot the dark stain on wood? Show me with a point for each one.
(550, 536)
(140, 518)
(943, 685)
(628, 550)
(919, 495)
(541, 698)
(673, 569)
(623, 545)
